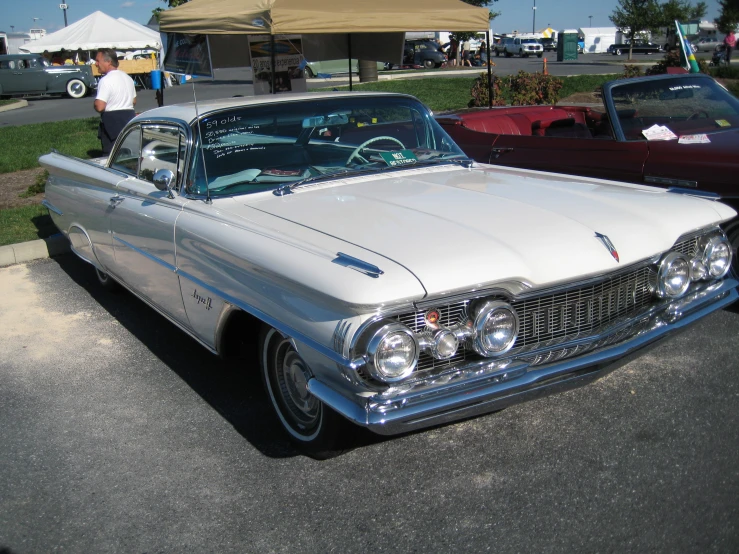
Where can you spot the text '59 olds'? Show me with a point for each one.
(390, 281)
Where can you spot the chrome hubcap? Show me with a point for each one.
(292, 383)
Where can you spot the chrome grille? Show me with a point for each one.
(553, 319)
(688, 247)
(582, 311)
(449, 315)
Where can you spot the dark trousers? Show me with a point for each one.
(111, 125)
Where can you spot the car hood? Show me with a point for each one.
(458, 229)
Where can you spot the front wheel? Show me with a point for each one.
(429, 64)
(76, 88)
(309, 72)
(538, 55)
(308, 422)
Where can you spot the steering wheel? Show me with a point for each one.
(698, 114)
(358, 149)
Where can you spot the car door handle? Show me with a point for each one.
(117, 199)
(498, 151)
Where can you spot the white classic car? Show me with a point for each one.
(389, 281)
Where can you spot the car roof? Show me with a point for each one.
(189, 112)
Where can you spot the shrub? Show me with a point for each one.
(534, 88)
(631, 70)
(725, 72)
(479, 92)
(672, 59)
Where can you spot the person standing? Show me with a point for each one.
(116, 97)
(730, 44)
(466, 52)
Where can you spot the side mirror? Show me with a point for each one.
(163, 179)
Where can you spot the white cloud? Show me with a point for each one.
(128, 4)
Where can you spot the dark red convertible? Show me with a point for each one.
(679, 131)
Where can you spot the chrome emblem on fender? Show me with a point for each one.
(609, 245)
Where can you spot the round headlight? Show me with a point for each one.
(673, 277)
(392, 353)
(717, 257)
(496, 328)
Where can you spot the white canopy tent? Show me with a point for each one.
(97, 30)
(597, 39)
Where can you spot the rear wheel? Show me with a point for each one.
(76, 88)
(309, 423)
(538, 55)
(618, 51)
(309, 72)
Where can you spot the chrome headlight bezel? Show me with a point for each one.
(482, 312)
(384, 331)
(708, 248)
(668, 264)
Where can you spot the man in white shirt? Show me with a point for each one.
(115, 98)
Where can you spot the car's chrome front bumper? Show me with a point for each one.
(469, 393)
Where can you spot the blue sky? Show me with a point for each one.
(516, 14)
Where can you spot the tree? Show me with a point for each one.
(170, 4)
(682, 11)
(728, 19)
(461, 36)
(634, 17)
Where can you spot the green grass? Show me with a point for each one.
(24, 224)
(8, 101)
(584, 83)
(21, 146)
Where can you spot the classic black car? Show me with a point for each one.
(639, 47)
(32, 74)
(423, 52)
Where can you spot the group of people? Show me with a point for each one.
(466, 56)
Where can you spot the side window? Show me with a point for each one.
(162, 148)
(126, 158)
(33, 63)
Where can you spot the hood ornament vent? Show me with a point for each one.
(609, 245)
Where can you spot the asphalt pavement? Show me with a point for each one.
(121, 434)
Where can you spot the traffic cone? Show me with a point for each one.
(545, 67)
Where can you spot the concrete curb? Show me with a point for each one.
(54, 245)
(19, 104)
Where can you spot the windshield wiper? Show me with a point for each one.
(288, 188)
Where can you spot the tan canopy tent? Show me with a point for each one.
(281, 17)
(360, 21)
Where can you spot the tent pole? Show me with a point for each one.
(349, 48)
(272, 60)
(490, 71)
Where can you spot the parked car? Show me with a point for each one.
(31, 74)
(524, 47)
(549, 44)
(423, 52)
(610, 143)
(706, 44)
(384, 278)
(328, 68)
(640, 47)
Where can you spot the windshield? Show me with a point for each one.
(261, 147)
(685, 106)
(529, 41)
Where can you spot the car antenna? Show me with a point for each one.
(202, 145)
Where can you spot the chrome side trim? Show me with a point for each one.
(51, 207)
(279, 326)
(653, 179)
(355, 263)
(161, 262)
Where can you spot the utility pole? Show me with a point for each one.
(64, 7)
(533, 27)
(590, 22)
